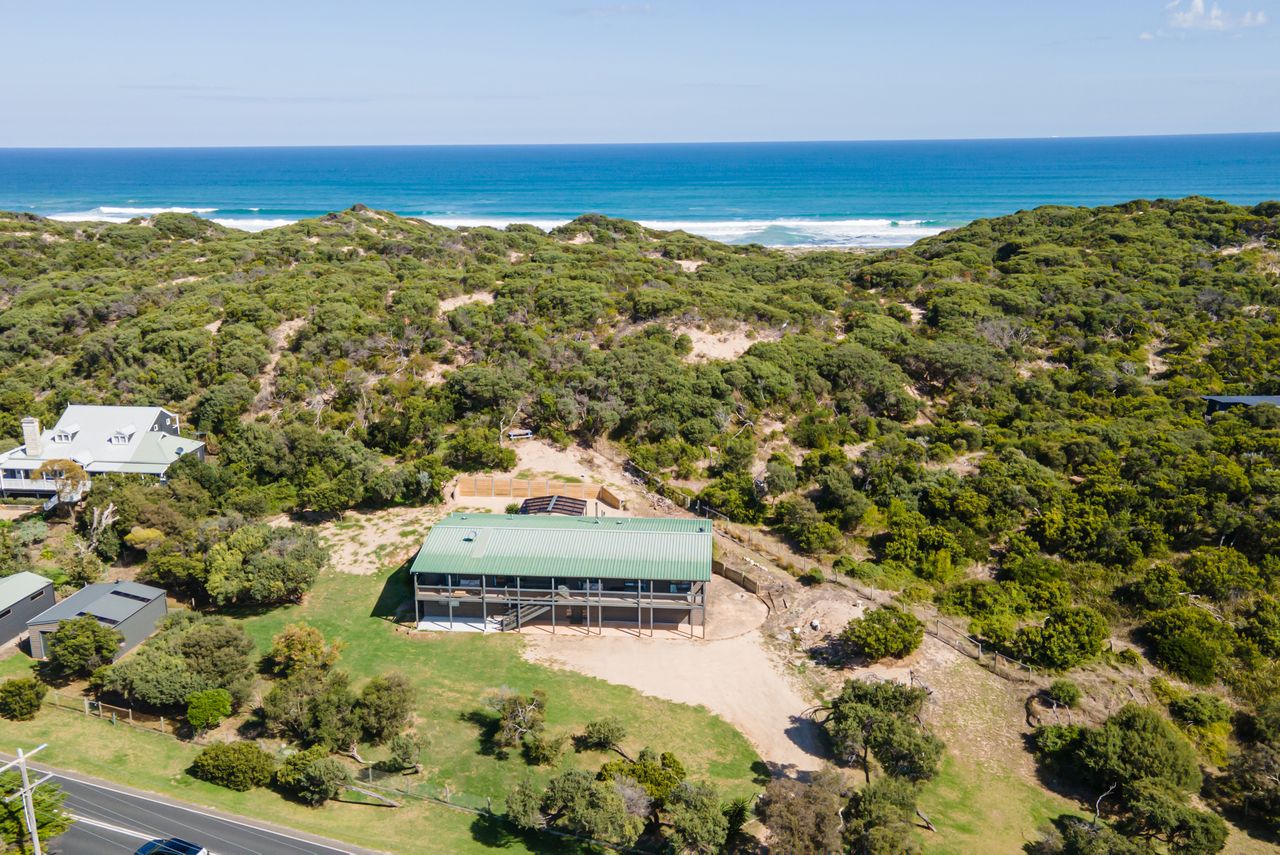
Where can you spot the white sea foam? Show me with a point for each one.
(146, 212)
(783, 231)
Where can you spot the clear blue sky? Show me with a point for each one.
(279, 72)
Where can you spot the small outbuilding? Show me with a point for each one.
(130, 608)
(22, 596)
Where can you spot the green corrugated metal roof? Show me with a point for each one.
(568, 547)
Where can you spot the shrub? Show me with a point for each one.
(301, 647)
(81, 644)
(207, 708)
(384, 706)
(1064, 692)
(20, 698)
(603, 734)
(883, 632)
(312, 776)
(513, 507)
(237, 766)
(1200, 709)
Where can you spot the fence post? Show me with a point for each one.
(162, 724)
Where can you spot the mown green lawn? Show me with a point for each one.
(453, 674)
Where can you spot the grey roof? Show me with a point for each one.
(1245, 400)
(113, 601)
(666, 549)
(14, 588)
(94, 430)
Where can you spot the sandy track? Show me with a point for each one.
(734, 677)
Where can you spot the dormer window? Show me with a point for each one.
(123, 436)
(66, 434)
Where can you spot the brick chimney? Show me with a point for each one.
(31, 436)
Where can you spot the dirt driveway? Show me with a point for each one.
(731, 673)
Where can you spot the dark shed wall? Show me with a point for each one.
(13, 618)
(137, 627)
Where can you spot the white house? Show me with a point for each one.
(130, 440)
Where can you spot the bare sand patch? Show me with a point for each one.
(723, 344)
(280, 338)
(213, 326)
(736, 678)
(689, 265)
(449, 304)
(366, 542)
(580, 238)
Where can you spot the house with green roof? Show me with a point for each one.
(505, 572)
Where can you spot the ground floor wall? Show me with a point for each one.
(585, 611)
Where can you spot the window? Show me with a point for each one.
(129, 596)
(37, 595)
(4, 614)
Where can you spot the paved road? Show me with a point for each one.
(112, 820)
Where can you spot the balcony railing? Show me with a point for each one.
(536, 596)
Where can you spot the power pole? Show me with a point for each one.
(28, 805)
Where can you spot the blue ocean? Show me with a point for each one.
(780, 194)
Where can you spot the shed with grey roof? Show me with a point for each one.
(131, 609)
(22, 596)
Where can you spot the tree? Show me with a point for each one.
(207, 708)
(1070, 635)
(698, 824)
(403, 753)
(590, 808)
(804, 818)
(886, 631)
(880, 819)
(659, 775)
(312, 776)
(1071, 835)
(1157, 811)
(239, 766)
(1136, 743)
(878, 720)
(81, 644)
(605, 734)
(69, 482)
(301, 647)
(20, 698)
(190, 653)
(51, 818)
(1251, 783)
(517, 717)
(384, 706)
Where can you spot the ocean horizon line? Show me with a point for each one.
(631, 144)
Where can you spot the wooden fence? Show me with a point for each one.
(116, 715)
(529, 488)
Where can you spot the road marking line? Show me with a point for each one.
(265, 832)
(97, 823)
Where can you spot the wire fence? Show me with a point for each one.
(93, 708)
(391, 786)
(993, 660)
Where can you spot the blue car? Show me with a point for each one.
(171, 846)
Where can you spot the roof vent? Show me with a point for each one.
(470, 535)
